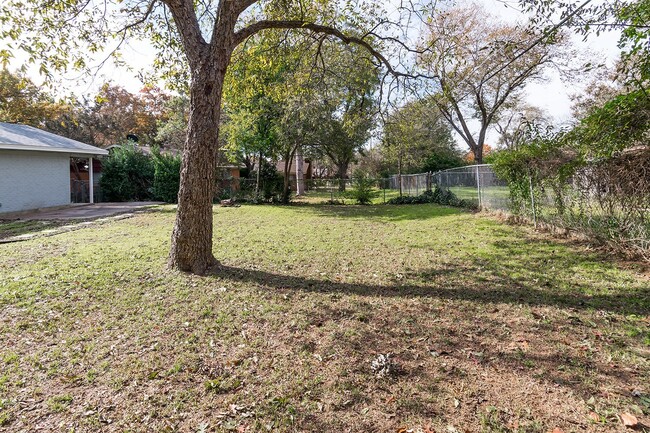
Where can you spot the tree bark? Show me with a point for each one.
(342, 171)
(478, 153)
(191, 248)
(286, 189)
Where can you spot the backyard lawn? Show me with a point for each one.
(490, 327)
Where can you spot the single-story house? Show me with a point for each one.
(306, 172)
(35, 167)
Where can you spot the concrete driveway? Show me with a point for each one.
(87, 211)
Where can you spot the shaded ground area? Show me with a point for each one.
(55, 220)
(492, 328)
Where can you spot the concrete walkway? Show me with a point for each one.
(79, 216)
(88, 211)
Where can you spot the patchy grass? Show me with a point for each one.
(491, 327)
(11, 228)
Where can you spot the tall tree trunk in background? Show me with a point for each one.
(300, 179)
(191, 248)
(286, 189)
(478, 154)
(259, 173)
(341, 173)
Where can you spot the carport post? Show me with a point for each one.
(91, 186)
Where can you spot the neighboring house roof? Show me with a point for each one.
(279, 166)
(147, 150)
(22, 137)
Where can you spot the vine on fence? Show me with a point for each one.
(586, 179)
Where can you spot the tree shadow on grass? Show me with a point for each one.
(498, 289)
(462, 337)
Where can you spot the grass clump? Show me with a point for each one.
(59, 403)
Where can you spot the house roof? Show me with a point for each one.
(279, 166)
(22, 137)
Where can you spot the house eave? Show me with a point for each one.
(72, 152)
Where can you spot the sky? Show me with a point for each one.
(553, 95)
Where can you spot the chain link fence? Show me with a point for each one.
(477, 184)
(335, 191)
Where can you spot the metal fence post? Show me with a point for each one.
(532, 199)
(478, 187)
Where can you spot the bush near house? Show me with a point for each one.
(127, 174)
(167, 176)
(131, 175)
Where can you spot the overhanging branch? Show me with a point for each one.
(258, 26)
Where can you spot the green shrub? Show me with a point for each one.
(438, 196)
(271, 183)
(127, 174)
(167, 177)
(362, 190)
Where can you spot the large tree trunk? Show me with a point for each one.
(191, 248)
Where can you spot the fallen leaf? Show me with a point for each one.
(594, 416)
(629, 420)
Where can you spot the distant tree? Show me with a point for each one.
(515, 120)
(280, 101)
(21, 101)
(171, 128)
(347, 91)
(480, 64)
(116, 113)
(416, 138)
(486, 151)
